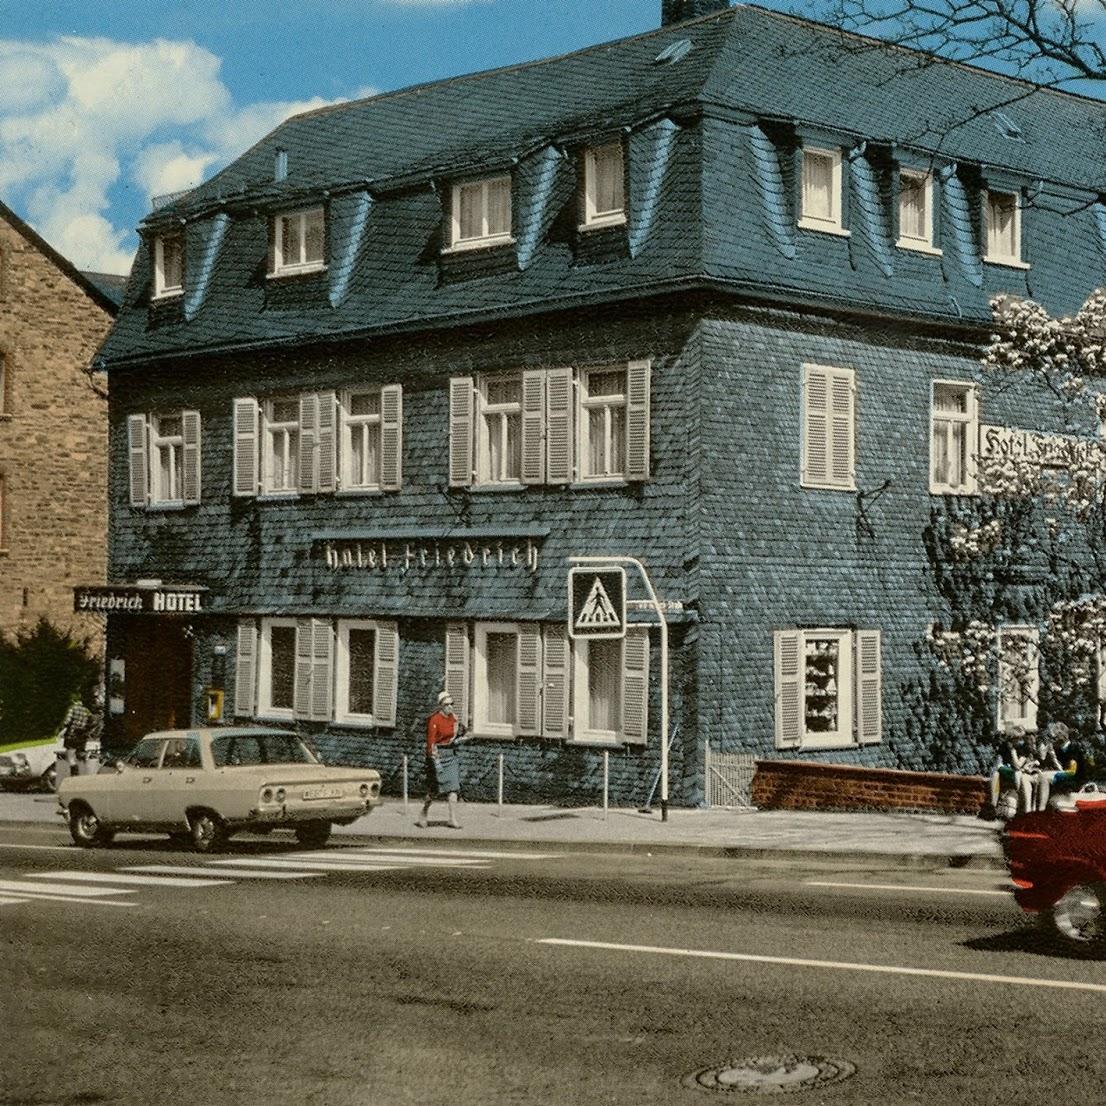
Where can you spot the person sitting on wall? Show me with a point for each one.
(1012, 781)
(443, 731)
(1065, 768)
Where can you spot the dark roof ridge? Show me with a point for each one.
(515, 67)
(913, 50)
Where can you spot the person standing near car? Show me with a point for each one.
(76, 729)
(443, 731)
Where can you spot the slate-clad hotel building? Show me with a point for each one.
(712, 297)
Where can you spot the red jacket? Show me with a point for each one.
(440, 730)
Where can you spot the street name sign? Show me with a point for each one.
(596, 602)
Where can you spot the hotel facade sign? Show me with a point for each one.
(997, 443)
(124, 599)
(439, 555)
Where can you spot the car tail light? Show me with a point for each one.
(280, 795)
(364, 791)
(376, 791)
(267, 795)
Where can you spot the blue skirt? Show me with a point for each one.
(445, 776)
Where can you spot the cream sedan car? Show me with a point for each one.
(204, 785)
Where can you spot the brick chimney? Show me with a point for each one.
(677, 11)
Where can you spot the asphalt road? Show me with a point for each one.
(355, 976)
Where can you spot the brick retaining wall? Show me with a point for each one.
(802, 785)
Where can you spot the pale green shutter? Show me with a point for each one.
(245, 669)
(789, 688)
(309, 439)
(386, 673)
(391, 437)
(815, 425)
(137, 449)
(533, 427)
(327, 472)
(869, 698)
(246, 451)
(301, 684)
(190, 430)
(457, 667)
(461, 416)
(322, 667)
(635, 685)
(558, 429)
(554, 693)
(528, 678)
(637, 420)
(842, 428)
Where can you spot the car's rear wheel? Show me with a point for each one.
(85, 827)
(313, 835)
(49, 778)
(207, 831)
(1078, 917)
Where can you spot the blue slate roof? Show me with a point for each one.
(711, 201)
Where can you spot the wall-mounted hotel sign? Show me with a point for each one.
(438, 551)
(135, 599)
(997, 443)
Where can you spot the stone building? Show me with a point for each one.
(53, 433)
(711, 297)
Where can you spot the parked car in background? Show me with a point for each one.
(205, 785)
(1057, 862)
(34, 765)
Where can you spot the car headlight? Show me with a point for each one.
(280, 795)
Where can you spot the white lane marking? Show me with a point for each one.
(60, 888)
(10, 902)
(226, 873)
(903, 887)
(477, 853)
(115, 877)
(343, 855)
(839, 965)
(322, 865)
(45, 896)
(53, 848)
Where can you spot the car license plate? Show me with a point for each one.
(322, 793)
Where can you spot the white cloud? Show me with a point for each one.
(84, 121)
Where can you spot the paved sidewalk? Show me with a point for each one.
(920, 840)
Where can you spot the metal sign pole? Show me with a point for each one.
(663, 622)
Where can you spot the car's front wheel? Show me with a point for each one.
(208, 833)
(1078, 917)
(85, 827)
(313, 835)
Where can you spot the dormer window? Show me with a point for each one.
(481, 213)
(1003, 228)
(916, 210)
(169, 264)
(298, 242)
(604, 186)
(821, 198)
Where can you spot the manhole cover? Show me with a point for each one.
(780, 1074)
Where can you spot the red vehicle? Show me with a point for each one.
(1057, 861)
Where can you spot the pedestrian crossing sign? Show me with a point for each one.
(596, 602)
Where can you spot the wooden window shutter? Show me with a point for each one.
(322, 665)
(327, 472)
(558, 430)
(309, 442)
(190, 431)
(386, 676)
(789, 688)
(461, 417)
(554, 695)
(637, 419)
(245, 669)
(869, 697)
(533, 427)
(245, 446)
(635, 685)
(136, 447)
(391, 437)
(815, 425)
(301, 685)
(457, 667)
(529, 679)
(842, 429)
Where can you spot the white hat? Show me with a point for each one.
(444, 697)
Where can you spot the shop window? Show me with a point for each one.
(168, 265)
(829, 428)
(164, 456)
(828, 688)
(298, 242)
(481, 214)
(954, 435)
(1018, 678)
(1002, 227)
(821, 190)
(604, 186)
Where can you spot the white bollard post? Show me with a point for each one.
(499, 787)
(606, 780)
(405, 783)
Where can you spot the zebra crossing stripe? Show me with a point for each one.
(117, 877)
(394, 858)
(60, 888)
(478, 854)
(226, 873)
(46, 896)
(10, 902)
(322, 865)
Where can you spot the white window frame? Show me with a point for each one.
(909, 241)
(1027, 719)
(582, 730)
(174, 443)
(808, 221)
(499, 413)
(969, 419)
(342, 713)
(585, 403)
(480, 723)
(845, 734)
(161, 288)
(456, 242)
(265, 708)
(350, 423)
(1013, 260)
(267, 430)
(593, 217)
(283, 266)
